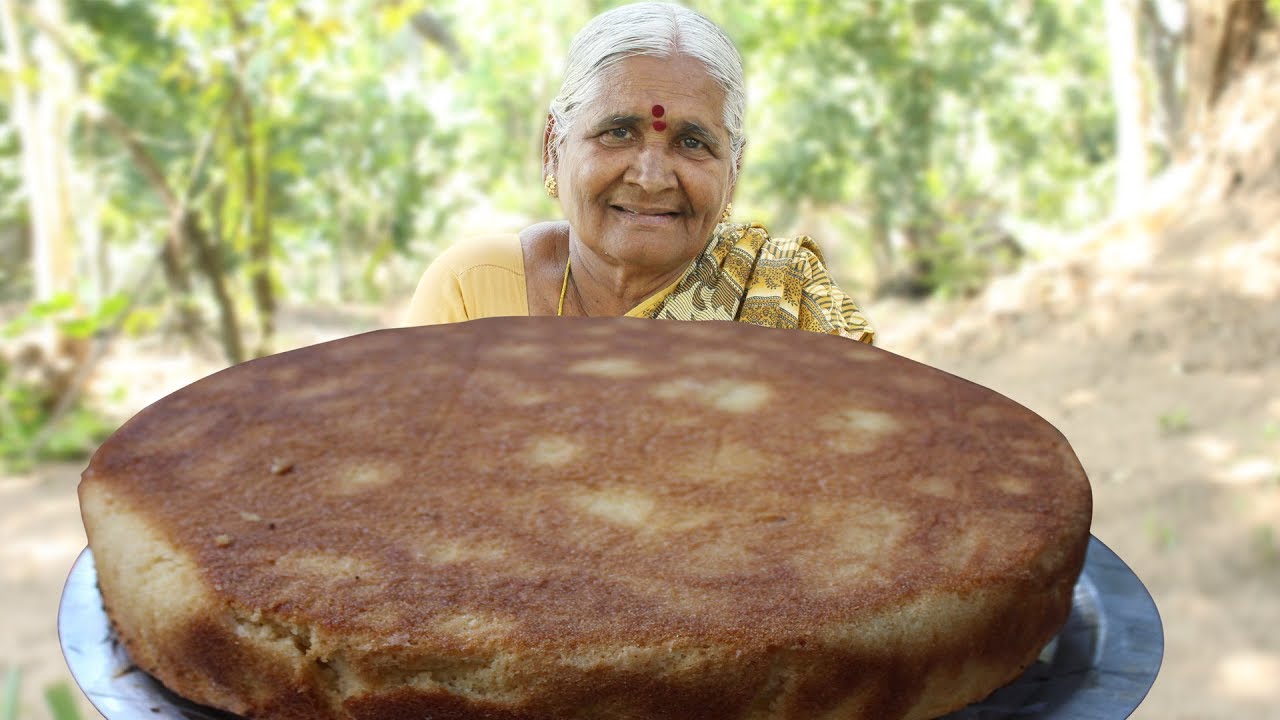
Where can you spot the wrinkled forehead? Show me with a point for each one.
(639, 85)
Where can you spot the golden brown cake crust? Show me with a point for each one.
(547, 518)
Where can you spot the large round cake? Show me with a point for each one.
(556, 519)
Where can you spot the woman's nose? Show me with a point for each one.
(653, 169)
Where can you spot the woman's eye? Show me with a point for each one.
(620, 133)
(692, 144)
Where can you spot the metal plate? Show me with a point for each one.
(1099, 667)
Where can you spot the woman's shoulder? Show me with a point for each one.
(479, 276)
(798, 249)
(480, 252)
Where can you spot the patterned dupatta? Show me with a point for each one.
(747, 276)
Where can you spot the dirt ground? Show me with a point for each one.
(1154, 346)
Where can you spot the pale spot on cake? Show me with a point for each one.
(474, 624)
(857, 430)
(676, 389)
(323, 565)
(962, 551)
(1032, 456)
(1014, 485)
(678, 520)
(677, 421)
(1028, 448)
(857, 419)
(683, 595)
(934, 486)
(921, 384)
(480, 462)
(359, 477)
(286, 374)
(316, 389)
(862, 537)
(552, 450)
(455, 551)
(517, 351)
(724, 395)
(193, 431)
(861, 353)
(719, 557)
(740, 397)
(851, 443)
(733, 460)
(620, 506)
(508, 387)
(684, 328)
(527, 398)
(1018, 530)
(609, 367)
(589, 348)
(380, 619)
(988, 414)
(599, 331)
(716, 359)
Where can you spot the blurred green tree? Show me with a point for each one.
(929, 124)
(224, 137)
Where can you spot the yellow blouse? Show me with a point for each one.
(477, 278)
(743, 274)
(481, 277)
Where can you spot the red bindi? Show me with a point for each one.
(659, 111)
(659, 125)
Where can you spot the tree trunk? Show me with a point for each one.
(209, 257)
(256, 198)
(264, 298)
(43, 120)
(255, 139)
(1130, 101)
(1221, 40)
(1164, 32)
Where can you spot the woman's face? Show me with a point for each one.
(644, 186)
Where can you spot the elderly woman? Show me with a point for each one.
(643, 147)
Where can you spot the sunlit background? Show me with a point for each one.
(1072, 201)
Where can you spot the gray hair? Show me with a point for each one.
(659, 30)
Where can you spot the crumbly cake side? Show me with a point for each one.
(916, 661)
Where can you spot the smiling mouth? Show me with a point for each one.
(644, 212)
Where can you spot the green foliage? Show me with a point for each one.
(10, 696)
(33, 426)
(62, 311)
(907, 112)
(1271, 430)
(320, 145)
(1160, 533)
(59, 698)
(1175, 422)
(26, 418)
(61, 702)
(1264, 543)
(25, 414)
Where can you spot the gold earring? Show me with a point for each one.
(728, 212)
(549, 182)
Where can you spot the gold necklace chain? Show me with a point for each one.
(564, 285)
